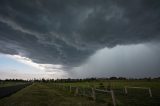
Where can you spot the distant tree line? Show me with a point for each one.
(14, 80)
(78, 80)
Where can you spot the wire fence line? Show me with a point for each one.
(92, 91)
(145, 88)
(86, 91)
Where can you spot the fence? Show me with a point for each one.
(86, 91)
(91, 92)
(149, 89)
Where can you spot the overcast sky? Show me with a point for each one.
(79, 38)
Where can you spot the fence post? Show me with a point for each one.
(76, 92)
(64, 87)
(125, 89)
(113, 98)
(93, 94)
(70, 88)
(150, 93)
(84, 92)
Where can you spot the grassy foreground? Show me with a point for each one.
(135, 97)
(44, 95)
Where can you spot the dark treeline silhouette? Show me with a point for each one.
(78, 80)
(103, 79)
(15, 80)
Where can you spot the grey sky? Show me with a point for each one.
(71, 32)
(131, 61)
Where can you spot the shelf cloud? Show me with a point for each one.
(67, 33)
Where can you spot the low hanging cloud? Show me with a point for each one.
(131, 61)
(68, 32)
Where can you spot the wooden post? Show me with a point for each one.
(113, 98)
(70, 88)
(150, 93)
(76, 92)
(93, 94)
(84, 92)
(64, 87)
(125, 89)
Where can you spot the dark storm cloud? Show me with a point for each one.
(68, 31)
(140, 60)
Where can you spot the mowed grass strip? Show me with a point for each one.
(44, 95)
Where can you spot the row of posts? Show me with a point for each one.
(149, 89)
(93, 93)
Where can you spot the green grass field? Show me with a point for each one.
(135, 97)
(5, 84)
(45, 94)
(118, 83)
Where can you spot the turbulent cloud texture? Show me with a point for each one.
(67, 32)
